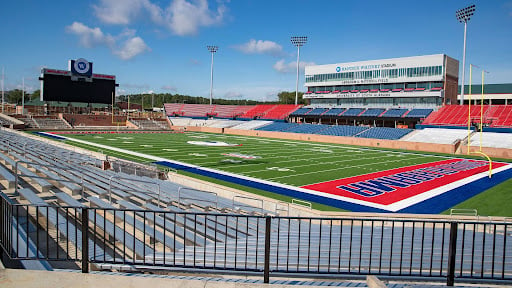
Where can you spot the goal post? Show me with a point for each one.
(488, 158)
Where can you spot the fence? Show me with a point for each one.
(271, 245)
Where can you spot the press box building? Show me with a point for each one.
(409, 82)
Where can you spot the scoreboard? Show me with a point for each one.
(78, 84)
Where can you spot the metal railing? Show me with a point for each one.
(270, 245)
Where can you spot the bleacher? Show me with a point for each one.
(196, 110)
(308, 128)
(353, 112)
(110, 190)
(29, 122)
(342, 130)
(384, 133)
(318, 111)
(257, 111)
(150, 124)
(279, 112)
(222, 123)
(437, 135)
(334, 112)
(418, 113)
(372, 112)
(51, 123)
(394, 113)
(173, 109)
(252, 125)
(490, 139)
(454, 115)
(501, 115)
(301, 111)
(278, 126)
(229, 111)
(83, 120)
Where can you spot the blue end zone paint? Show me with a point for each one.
(49, 135)
(434, 205)
(272, 188)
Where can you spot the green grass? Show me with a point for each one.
(496, 201)
(295, 163)
(282, 161)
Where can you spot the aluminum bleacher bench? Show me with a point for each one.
(66, 228)
(230, 229)
(175, 223)
(150, 217)
(197, 223)
(67, 200)
(45, 185)
(8, 176)
(130, 241)
(73, 187)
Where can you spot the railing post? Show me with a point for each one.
(450, 277)
(266, 268)
(85, 240)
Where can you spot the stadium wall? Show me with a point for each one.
(455, 148)
(489, 151)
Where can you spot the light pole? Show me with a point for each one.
(298, 41)
(3, 90)
(212, 50)
(463, 15)
(23, 96)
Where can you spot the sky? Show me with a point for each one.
(160, 46)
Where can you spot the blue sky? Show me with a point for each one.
(160, 45)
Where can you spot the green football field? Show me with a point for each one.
(282, 161)
(287, 162)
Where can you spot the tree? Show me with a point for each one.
(14, 96)
(35, 95)
(286, 97)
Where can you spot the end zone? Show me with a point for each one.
(398, 189)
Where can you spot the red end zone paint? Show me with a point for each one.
(390, 186)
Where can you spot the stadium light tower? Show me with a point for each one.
(3, 89)
(212, 50)
(298, 41)
(463, 15)
(23, 96)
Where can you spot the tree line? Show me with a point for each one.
(158, 99)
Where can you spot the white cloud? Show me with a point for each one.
(282, 67)
(90, 37)
(182, 17)
(131, 48)
(260, 47)
(93, 37)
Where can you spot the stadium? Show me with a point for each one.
(382, 173)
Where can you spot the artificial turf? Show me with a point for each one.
(295, 163)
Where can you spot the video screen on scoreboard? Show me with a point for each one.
(62, 88)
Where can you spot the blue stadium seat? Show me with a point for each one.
(301, 112)
(317, 111)
(353, 111)
(418, 113)
(308, 128)
(278, 126)
(394, 113)
(334, 112)
(373, 112)
(342, 130)
(384, 133)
